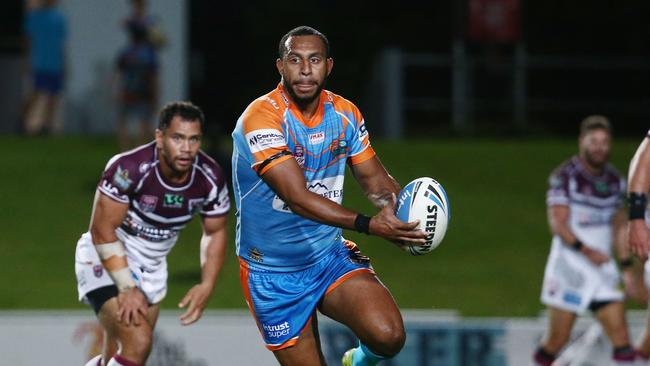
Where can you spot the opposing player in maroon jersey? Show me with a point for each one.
(585, 213)
(143, 200)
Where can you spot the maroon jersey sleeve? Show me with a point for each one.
(119, 177)
(558, 190)
(217, 202)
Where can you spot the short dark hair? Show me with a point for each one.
(303, 30)
(595, 122)
(186, 110)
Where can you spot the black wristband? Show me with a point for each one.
(637, 203)
(362, 224)
(577, 245)
(626, 263)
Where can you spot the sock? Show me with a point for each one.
(623, 355)
(543, 358)
(362, 356)
(118, 360)
(95, 361)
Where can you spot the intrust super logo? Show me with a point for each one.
(277, 330)
(259, 140)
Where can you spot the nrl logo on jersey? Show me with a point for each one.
(121, 178)
(299, 155)
(147, 203)
(173, 200)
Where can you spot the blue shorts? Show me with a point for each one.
(49, 82)
(282, 303)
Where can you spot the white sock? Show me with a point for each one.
(112, 362)
(118, 360)
(95, 361)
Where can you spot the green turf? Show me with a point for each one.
(490, 263)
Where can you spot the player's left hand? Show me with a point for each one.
(195, 300)
(386, 225)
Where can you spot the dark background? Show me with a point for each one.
(233, 47)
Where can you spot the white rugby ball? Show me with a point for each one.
(424, 199)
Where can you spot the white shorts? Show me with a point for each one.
(572, 283)
(91, 275)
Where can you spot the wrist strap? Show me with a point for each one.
(362, 224)
(637, 203)
(123, 279)
(577, 245)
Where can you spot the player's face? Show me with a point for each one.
(304, 68)
(594, 147)
(178, 145)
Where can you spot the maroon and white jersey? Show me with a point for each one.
(592, 200)
(159, 209)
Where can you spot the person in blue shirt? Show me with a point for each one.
(46, 31)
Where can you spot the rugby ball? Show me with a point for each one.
(424, 199)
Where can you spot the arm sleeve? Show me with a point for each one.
(117, 181)
(360, 149)
(218, 201)
(264, 136)
(558, 191)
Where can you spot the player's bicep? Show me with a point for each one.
(287, 180)
(214, 225)
(108, 215)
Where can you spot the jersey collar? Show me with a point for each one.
(317, 118)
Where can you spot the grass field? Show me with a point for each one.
(490, 263)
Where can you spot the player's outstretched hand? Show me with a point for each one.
(196, 299)
(638, 238)
(131, 306)
(387, 226)
(595, 256)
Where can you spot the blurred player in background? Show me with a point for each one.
(46, 30)
(586, 216)
(137, 78)
(144, 199)
(639, 220)
(291, 148)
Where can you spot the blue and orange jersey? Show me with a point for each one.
(271, 130)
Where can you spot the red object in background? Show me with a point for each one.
(494, 21)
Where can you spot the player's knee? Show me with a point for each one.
(138, 346)
(389, 340)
